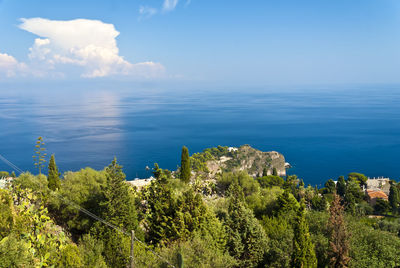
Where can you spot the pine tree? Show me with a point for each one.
(185, 165)
(303, 249)
(54, 175)
(274, 172)
(286, 202)
(247, 241)
(339, 237)
(394, 198)
(341, 186)
(119, 209)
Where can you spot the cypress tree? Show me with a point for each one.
(303, 249)
(394, 198)
(265, 172)
(54, 175)
(341, 186)
(185, 165)
(339, 237)
(274, 172)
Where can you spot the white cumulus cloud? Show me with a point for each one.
(81, 46)
(9, 66)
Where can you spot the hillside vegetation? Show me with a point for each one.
(227, 207)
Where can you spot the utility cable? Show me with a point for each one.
(90, 214)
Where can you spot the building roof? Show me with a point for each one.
(377, 194)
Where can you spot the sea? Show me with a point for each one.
(323, 131)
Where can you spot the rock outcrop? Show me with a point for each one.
(231, 159)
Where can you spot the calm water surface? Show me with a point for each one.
(323, 132)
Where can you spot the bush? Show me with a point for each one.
(245, 181)
(370, 247)
(269, 181)
(70, 257)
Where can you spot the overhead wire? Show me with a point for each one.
(90, 214)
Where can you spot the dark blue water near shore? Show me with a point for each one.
(323, 132)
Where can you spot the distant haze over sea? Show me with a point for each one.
(324, 132)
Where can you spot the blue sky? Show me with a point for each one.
(258, 42)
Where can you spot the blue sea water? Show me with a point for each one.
(324, 132)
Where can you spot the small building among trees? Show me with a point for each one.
(373, 196)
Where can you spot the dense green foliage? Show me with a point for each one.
(230, 220)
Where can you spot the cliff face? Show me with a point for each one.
(230, 159)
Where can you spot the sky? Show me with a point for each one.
(257, 42)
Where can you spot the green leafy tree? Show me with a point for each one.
(185, 165)
(157, 171)
(382, 207)
(318, 203)
(39, 157)
(248, 184)
(54, 175)
(341, 186)
(84, 188)
(330, 186)
(269, 181)
(353, 196)
(361, 178)
(339, 237)
(394, 198)
(303, 249)
(247, 241)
